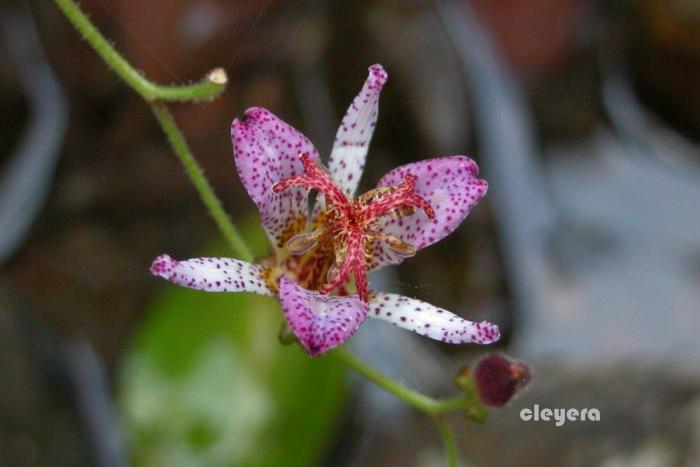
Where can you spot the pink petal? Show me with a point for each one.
(450, 185)
(352, 140)
(321, 322)
(430, 321)
(213, 274)
(267, 150)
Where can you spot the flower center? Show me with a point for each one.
(353, 226)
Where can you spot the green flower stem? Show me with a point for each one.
(448, 441)
(211, 86)
(200, 182)
(427, 404)
(418, 400)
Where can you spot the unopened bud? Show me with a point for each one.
(498, 378)
(218, 76)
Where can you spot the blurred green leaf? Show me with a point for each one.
(206, 382)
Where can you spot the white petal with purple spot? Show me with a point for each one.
(430, 321)
(267, 150)
(212, 274)
(451, 186)
(321, 322)
(349, 152)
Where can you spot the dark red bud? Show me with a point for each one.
(498, 378)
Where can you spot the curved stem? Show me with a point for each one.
(427, 404)
(417, 399)
(448, 441)
(211, 86)
(200, 182)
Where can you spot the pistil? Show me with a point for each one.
(353, 225)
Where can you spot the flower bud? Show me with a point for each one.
(498, 378)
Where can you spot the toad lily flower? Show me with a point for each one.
(319, 264)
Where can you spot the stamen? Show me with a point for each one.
(352, 263)
(332, 273)
(397, 199)
(352, 225)
(300, 244)
(374, 194)
(398, 246)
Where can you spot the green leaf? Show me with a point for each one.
(206, 382)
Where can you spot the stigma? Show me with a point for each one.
(352, 226)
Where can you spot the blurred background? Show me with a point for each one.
(584, 117)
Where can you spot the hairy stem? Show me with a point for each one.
(200, 182)
(417, 399)
(211, 86)
(429, 405)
